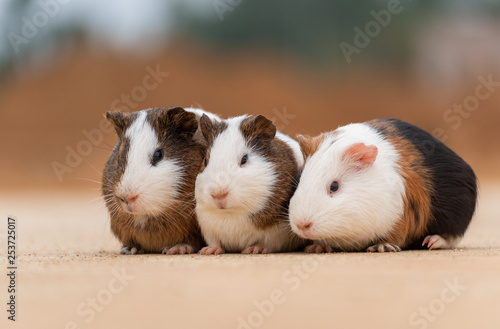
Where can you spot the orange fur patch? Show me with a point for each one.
(418, 187)
(310, 145)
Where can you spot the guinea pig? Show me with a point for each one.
(148, 181)
(383, 185)
(244, 186)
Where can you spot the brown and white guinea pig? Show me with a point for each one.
(148, 181)
(245, 184)
(382, 185)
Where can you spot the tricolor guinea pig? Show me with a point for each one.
(148, 181)
(382, 185)
(244, 186)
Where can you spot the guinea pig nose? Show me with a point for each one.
(220, 195)
(131, 198)
(304, 226)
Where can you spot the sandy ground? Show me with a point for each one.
(70, 276)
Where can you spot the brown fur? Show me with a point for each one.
(120, 120)
(175, 129)
(418, 187)
(258, 128)
(259, 134)
(310, 145)
(210, 130)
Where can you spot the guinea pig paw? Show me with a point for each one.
(434, 242)
(178, 249)
(317, 248)
(211, 250)
(255, 250)
(130, 251)
(383, 247)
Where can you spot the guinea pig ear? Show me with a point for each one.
(118, 120)
(207, 128)
(304, 143)
(361, 155)
(184, 123)
(259, 127)
(264, 127)
(309, 145)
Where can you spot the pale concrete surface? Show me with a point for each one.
(70, 276)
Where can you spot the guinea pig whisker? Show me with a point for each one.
(107, 144)
(349, 241)
(89, 180)
(175, 224)
(109, 182)
(184, 215)
(113, 211)
(292, 179)
(281, 207)
(91, 166)
(179, 211)
(190, 203)
(286, 230)
(98, 205)
(105, 148)
(99, 198)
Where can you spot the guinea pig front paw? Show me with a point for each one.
(383, 247)
(178, 249)
(317, 248)
(130, 251)
(212, 250)
(435, 242)
(255, 250)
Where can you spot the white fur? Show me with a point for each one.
(369, 201)
(294, 145)
(236, 232)
(157, 186)
(249, 189)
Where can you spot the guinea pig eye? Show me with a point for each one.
(205, 162)
(244, 160)
(334, 187)
(157, 156)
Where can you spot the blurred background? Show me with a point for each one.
(309, 65)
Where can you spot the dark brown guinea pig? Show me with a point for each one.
(148, 181)
(244, 186)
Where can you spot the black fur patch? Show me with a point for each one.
(454, 182)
